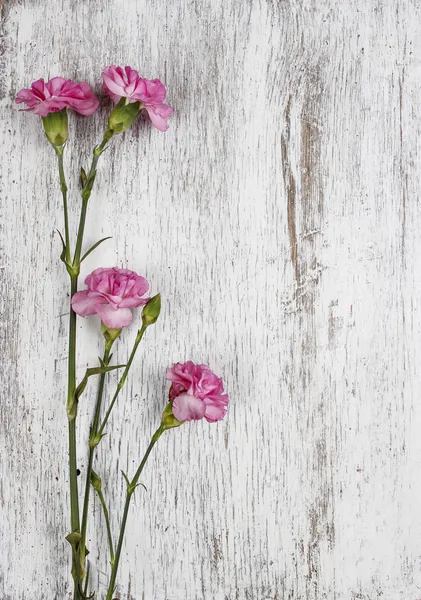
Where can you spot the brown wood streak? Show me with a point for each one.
(290, 187)
(320, 511)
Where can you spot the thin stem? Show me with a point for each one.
(94, 427)
(120, 384)
(74, 497)
(130, 489)
(74, 493)
(86, 194)
(88, 570)
(107, 523)
(63, 188)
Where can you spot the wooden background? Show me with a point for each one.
(279, 217)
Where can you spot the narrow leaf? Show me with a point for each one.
(83, 177)
(83, 595)
(89, 372)
(94, 246)
(126, 478)
(63, 254)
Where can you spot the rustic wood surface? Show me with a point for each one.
(279, 218)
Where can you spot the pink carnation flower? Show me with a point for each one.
(58, 93)
(111, 294)
(127, 83)
(196, 392)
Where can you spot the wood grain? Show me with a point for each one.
(279, 218)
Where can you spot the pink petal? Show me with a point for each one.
(159, 114)
(112, 88)
(132, 302)
(85, 303)
(155, 90)
(188, 408)
(114, 318)
(55, 85)
(215, 412)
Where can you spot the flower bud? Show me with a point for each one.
(123, 115)
(168, 419)
(151, 311)
(96, 481)
(56, 127)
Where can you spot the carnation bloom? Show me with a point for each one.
(127, 83)
(196, 392)
(58, 93)
(111, 294)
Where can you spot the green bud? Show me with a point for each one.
(123, 115)
(151, 311)
(56, 128)
(109, 334)
(168, 419)
(96, 481)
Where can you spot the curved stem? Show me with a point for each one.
(121, 383)
(130, 489)
(107, 523)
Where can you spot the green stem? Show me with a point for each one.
(120, 384)
(74, 497)
(94, 427)
(86, 194)
(107, 523)
(88, 570)
(63, 188)
(74, 493)
(130, 489)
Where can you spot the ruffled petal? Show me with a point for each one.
(215, 412)
(159, 114)
(188, 408)
(86, 303)
(115, 319)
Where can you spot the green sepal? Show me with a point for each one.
(110, 334)
(168, 419)
(56, 128)
(123, 115)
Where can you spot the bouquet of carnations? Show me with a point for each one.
(113, 294)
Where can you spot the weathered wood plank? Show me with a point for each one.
(279, 217)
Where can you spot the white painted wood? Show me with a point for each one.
(279, 217)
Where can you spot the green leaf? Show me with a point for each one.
(126, 478)
(94, 246)
(83, 177)
(63, 254)
(83, 595)
(93, 371)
